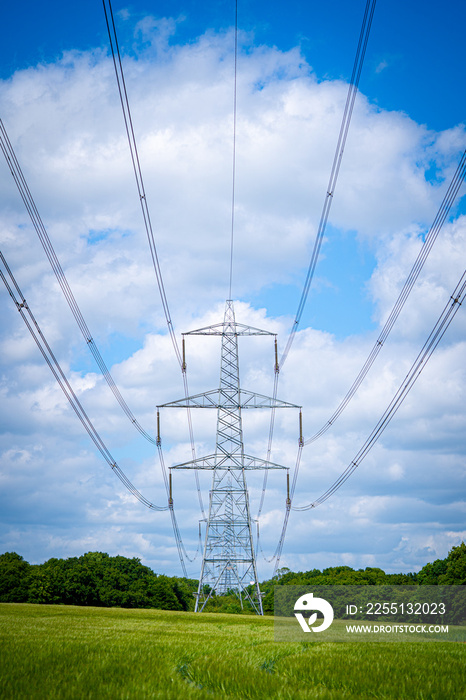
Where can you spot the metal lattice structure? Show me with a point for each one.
(229, 562)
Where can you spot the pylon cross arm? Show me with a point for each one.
(228, 463)
(219, 398)
(227, 329)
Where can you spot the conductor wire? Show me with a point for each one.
(348, 111)
(446, 317)
(440, 218)
(124, 100)
(54, 366)
(44, 238)
(137, 168)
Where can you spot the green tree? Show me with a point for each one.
(14, 578)
(455, 572)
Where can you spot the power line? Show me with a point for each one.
(281, 541)
(54, 366)
(137, 167)
(446, 317)
(41, 231)
(344, 128)
(429, 241)
(351, 96)
(124, 100)
(279, 548)
(270, 441)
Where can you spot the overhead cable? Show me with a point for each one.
(124, 100)
(137, 167)
(41, 231)
(270, 441)
(345, 124)
(429, 241)
(348, 111)
(44, 347)
(281, 541)
(183, 554)
(446, 317)
(38, 336)
(191, 438)
(279, 548)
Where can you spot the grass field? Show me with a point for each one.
(52, 651)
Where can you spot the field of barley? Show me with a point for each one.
(56, 651)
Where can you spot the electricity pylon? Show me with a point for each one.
(229, 562)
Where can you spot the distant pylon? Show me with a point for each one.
(229, 562)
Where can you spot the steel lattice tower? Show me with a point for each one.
(229, 562)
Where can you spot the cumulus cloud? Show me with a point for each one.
(402, 506)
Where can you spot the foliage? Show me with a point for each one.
(65, 652)
(444, 572)
(101, 580)
(93, 579)
(14, 578)
(449, 571)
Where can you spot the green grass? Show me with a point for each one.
(52, 651)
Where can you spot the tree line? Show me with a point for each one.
(94, 578)
(98, 579)
(441, 572)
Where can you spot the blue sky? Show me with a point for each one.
(59, 104)
(414, 63)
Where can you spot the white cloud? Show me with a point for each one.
(64, 122)
(381, 66)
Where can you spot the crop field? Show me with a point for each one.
(55, 651)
